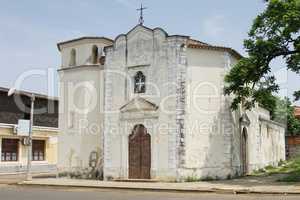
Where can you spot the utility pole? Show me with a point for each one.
(12, 92)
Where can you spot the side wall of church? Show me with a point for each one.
(266, 141)
(210, 125)
(213, 131)
(157, 56)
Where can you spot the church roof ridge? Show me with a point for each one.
(191, 42)
(217, 48)
(83, 38)
(197, 42)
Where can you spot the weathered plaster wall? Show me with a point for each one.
(83, 51)
(209, 122)
(81, 105)
(157, 56)
(213, 131)
(266, 141)
(80, 117)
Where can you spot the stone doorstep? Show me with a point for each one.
(158, 188)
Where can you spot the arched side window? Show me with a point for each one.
(73, 58)
(139, 83)
(95, 55)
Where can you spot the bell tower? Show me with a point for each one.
(81, 101)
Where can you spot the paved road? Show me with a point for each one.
(46, 193)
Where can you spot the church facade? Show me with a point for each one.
(149, 105)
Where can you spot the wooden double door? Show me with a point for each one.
(139, 153)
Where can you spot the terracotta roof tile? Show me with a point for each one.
(196, 42)
(216, 48)
(297, 111)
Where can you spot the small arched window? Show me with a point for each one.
(95, 55)
(139, 83)
(73, 58)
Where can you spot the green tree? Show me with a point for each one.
(284, 114)
(274, 34)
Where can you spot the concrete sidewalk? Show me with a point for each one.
(233, 186)
(18, 177)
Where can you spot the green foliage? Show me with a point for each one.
(281, 163)
(269, 168)
(258, 172)
(293, 177)
(274, 34)
(291, 166)
(192, 179)
(290, 169)
(284, 114)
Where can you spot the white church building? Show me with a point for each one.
(149, 105)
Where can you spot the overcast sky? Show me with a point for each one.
(30, 30)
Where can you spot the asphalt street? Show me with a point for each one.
(47, 193)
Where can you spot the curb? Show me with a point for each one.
(118, 188)
(204, 190)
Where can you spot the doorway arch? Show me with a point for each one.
(139, 158)
(244, 151)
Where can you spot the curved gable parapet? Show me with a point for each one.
(160, 31)
(138, 28)
(121, 39)
(119, 36)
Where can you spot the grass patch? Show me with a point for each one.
(291, 168)
(259, 172)
(270, 168)
(192, 179)
(292, 177)
(197, 179)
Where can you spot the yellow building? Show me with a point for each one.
(14, 152)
